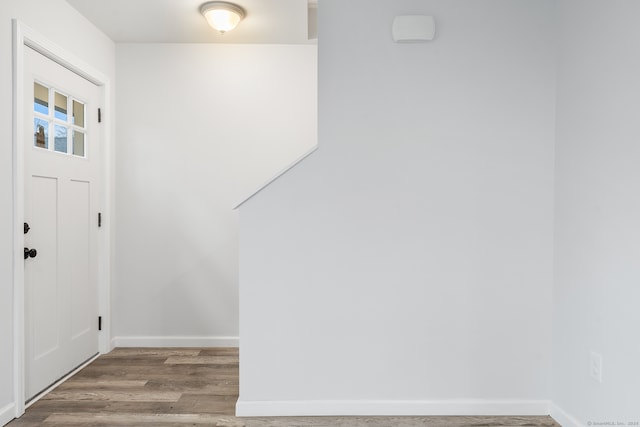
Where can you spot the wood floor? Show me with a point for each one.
(197, 387)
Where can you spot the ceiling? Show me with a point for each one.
(180, 21)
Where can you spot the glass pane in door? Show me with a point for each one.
(78, 143)
(40, 98)
(40, 133)
(78, 113)
(61, 106)
(61, 139)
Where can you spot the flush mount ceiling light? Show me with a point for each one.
(221, 15)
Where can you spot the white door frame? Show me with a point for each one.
(24, 36)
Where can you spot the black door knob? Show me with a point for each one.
(30, 253)
(26, 228)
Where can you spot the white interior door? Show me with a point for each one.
(62, 172)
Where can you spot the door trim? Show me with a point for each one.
(24, 36)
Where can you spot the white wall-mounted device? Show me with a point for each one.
(413, 28)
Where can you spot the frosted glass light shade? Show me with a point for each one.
(222, 16)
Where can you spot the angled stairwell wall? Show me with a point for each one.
(406, 266)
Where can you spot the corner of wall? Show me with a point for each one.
(563, 418)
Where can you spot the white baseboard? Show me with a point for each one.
(178, 341)
(563, 418)
(390, 408)
(7, 413)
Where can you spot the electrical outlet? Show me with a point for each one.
(595, 366)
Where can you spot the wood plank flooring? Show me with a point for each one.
(197, 387)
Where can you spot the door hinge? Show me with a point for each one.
(99, 116)
(99, 219)
(99, 323)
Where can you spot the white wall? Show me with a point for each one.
(56, 20)
(597, 228)
(199, 127)
(410, 258)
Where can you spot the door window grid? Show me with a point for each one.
(61, 128)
